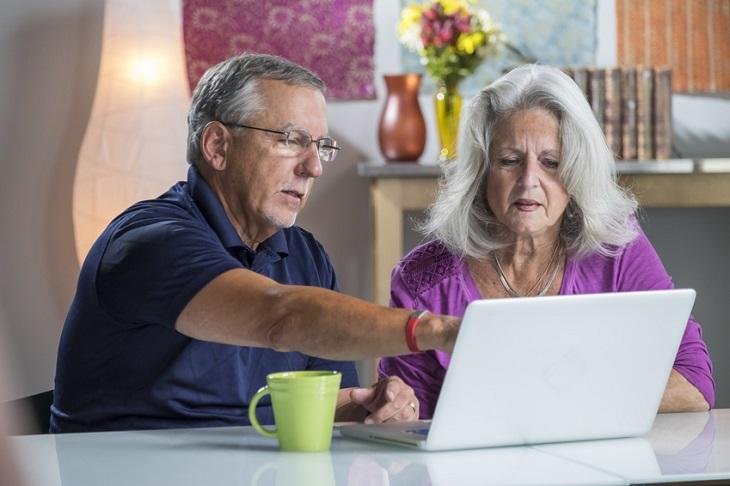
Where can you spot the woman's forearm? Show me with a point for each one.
(682, 396)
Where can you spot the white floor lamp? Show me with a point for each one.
(134, 145)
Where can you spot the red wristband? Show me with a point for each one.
(411, 325)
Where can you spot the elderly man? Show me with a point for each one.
(185, 303)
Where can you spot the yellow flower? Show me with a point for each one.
(468, 43)
(410, 16)
(465, 44)
(452, 6)
(409, 27)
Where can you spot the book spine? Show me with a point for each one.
(612, 111)
(644, 113)
(662, 113)
(597, 89)
(628, 114)
(580, 76)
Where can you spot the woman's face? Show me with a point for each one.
(523, 190)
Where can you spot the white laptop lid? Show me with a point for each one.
(552, 369)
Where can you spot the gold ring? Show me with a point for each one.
(413, 406)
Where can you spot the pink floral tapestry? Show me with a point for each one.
(333, 38)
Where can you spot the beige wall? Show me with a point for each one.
(48, 62)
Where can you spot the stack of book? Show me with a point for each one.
(633, 106)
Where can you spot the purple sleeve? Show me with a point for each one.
(693, 361)
(421, 371)
(641, 269)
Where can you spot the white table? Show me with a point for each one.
(680, 447)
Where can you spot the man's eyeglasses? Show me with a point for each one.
(296, 141)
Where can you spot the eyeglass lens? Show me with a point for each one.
(326, 146)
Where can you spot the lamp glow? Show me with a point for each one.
(145, 70)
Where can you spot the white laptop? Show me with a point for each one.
(551, 369)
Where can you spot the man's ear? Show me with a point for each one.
(215, 141)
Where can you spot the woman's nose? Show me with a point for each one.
(530, 172)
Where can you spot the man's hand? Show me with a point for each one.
(437, 332)
(389, 400)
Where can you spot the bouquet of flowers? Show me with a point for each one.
(451, 37)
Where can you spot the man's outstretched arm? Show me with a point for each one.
(244, 308)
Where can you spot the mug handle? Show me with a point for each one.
(263, 391)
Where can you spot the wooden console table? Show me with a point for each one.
(401, 186)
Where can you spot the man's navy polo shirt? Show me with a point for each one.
(121, 363)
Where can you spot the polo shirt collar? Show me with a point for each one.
(216, 217)
(276, 243)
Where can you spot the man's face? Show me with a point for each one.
(268, 183)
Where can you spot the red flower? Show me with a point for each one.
(446, 35)
(463, 23)
(431, 13)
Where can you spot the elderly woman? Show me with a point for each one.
(532, 207)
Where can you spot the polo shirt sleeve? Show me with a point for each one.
(154, 264)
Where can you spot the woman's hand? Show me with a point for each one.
(389, 400)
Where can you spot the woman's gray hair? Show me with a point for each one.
(599, 217)
(229, 92)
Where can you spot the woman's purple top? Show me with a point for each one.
(431, 277)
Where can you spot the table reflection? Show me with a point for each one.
(679, 447)
(631, 457)
(295, 468)
(683, 446)
(239, 456)
(180, 457)
(508, 465)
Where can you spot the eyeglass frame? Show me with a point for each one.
(286, 133)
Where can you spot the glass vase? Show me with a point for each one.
(448, 110)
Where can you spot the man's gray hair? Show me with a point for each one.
(599, 217)
(229, 92)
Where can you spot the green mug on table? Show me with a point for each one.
(304, 405)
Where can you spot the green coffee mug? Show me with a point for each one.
(304, 409)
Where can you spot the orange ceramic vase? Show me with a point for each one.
(402, 132)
